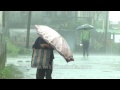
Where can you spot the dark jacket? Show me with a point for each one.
(37, 43)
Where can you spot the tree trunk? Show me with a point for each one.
(28, 29)
(106, 30)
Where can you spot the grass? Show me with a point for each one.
(11, 72)
(13, 50)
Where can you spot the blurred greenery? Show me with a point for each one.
(97, 46)
(13, 50)
(11, 72)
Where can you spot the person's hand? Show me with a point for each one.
(46, 46)
(43, 45)
(81, 44)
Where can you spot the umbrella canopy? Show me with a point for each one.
(85, 27)
(56, 41)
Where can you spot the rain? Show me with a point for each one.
(102, 59)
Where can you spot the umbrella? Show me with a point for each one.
(85, 27)
(56, 41)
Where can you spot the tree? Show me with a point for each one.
(28, 29)
(17, 19)
(3, 42)
(98, 15)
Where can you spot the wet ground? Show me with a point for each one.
(93, 67)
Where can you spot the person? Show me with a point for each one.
(42, 72)
(85, 38)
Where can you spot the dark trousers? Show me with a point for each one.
(85, 47)
(41, 73)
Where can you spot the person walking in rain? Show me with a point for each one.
(85, 38)
(42, 72)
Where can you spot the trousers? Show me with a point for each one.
(44, 72)
(85, 47)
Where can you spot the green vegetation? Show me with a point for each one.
(13, 50)
(10, 72)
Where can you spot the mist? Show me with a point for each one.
(18, 35)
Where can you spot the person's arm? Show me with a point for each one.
(46, 46)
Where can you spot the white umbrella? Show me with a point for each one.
(55, 40)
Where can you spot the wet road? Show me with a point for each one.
(93, 67)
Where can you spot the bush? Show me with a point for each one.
(10, 72)
(12, 50)
(116, 47)
(24, 51)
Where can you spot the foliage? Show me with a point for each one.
(24, 51)
(98, 24)
(116, 47)
(19, 20)
(10, 72)
(96, 45)
(12, 50)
